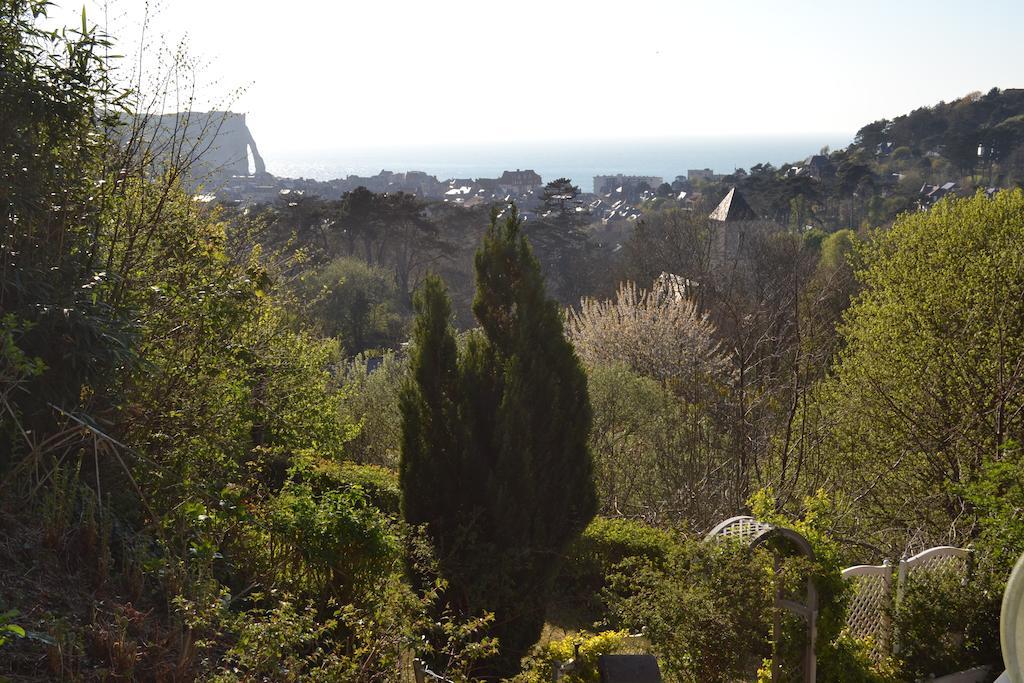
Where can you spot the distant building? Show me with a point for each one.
(630, 184)
(819, 166)
(733, 207)
(519, 182)
(489, 184)
(702, 175)
(734, 222)
(674, 287)
(930, 194)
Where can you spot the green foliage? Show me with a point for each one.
(901, 153)
(229, 386)
(494, 457)
(997, 496)
(17, 366)
(8, 628)
(924, 395)
(948, 621)
(657, 456)
(835, 657)
(850, 659)
(368, 643)
(173, 432)
(335, 544)
(602, 546)
(703, 610)
(356, 302)
(944, 623)
(280, 643)
(379, 484)
(836, 250)
(955, 127)
(581, 649)
(372, 402)
(54, 90)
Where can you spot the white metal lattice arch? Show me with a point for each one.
(755, 533)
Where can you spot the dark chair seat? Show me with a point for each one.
(628, 669)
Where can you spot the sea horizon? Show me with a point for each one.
(579, 160)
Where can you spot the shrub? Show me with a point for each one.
(604, 544)
(901, 153)
(8, 628)
(369, 642)
(825, 570)
(944, 624)
(379, 484)
(583, 649)
(371, 401)
(840, 657)
(657, 457)
(331, 544)
(658, 334)
(356, 302)
(704, 610)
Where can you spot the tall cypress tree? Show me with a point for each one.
(494, 451)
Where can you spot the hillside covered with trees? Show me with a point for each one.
(974, 143)
(348, 440)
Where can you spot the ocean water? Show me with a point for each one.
(578, 160)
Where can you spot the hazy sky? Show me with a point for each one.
(340, 73)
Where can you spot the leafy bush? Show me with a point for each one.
(604, 544)
(825, 570)
(290, 640)
(944, 623)
(371, 401)
(581, 649)
(357, 302)
(656, 456)
(704, 609)
(379, 484)
(998, 499)
(8, 628)
(901, 153)
(947, 622)
(332, 544)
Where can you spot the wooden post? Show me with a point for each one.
(777, 623)
(810, 657)
(886, 635)
(901, 580)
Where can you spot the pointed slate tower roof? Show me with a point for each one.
(733, 208)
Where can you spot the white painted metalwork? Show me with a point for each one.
(872, 600)
(742, 528)
(755, 533)
(867, 615)
(940, 558)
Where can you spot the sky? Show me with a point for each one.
(333, 74)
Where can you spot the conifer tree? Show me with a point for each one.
(494, 453)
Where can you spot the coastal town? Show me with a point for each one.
(234, 173)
